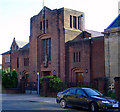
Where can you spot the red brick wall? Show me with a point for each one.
(21, 54)
(97, 54)
(84, 49)
(58, 25)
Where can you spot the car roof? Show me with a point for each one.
(80, 88)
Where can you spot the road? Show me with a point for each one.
(32, 103)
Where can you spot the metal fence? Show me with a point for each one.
(31, 87)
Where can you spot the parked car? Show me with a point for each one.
(86, 98)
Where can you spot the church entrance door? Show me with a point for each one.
(79, 77)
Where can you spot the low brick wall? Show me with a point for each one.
(11, 90)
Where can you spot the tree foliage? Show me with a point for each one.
(55, 83)
(9, 81)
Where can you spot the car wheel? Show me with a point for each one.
(63, 103)
(93, 107)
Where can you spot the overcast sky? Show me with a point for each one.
(15, 16)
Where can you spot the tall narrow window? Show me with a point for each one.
(50, 49)
(41, 25)
(79, 57)
(47, 49)
(74, 22)
(70, 21)
(78, 22)
(44, 49)
(47, 24)
(17, 62)
(74, 56)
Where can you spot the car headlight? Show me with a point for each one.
(105, 102)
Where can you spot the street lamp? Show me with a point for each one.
(38, 82)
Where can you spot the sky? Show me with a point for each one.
(15, 16)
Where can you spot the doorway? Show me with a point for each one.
(26, 75)
(79, 77)
(46, 73)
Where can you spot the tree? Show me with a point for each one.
(9, 81)
(6, 79)
(14, 78)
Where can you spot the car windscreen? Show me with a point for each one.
(92, 92)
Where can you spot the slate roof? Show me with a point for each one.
(94, 33)
(21, 44)
(25, 46)
(115, 23)
(8, 52)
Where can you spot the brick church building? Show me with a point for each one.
(58, 45)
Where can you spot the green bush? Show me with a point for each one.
(55, 83)
(14, 78)
(111, 94)
(6, 79)
(9, 81)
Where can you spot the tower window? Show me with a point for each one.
(46, 24)
(74, 22)
(70, 21)
(41, 25)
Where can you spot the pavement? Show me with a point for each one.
(31, 103)
(28, 97)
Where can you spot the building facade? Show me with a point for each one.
(112, 50)
(60, 45)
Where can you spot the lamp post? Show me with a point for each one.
(38, 82)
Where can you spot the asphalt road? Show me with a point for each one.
(32, 103)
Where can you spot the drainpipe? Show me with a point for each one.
(90, 43)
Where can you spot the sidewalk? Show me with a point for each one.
(28, 97)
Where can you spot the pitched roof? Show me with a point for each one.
(25, 46)
(115, 23)
(8, 52)
(21, 43)
(94, 33)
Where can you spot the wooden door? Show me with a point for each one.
(79, 77)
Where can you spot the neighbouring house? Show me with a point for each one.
(112, 50)
(6, 60)
(60, 45)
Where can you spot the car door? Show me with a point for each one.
(81, 98)
(70, 96)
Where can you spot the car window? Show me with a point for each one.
(71, 91)
(92, 92)
(65, 91)
(80, 92)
